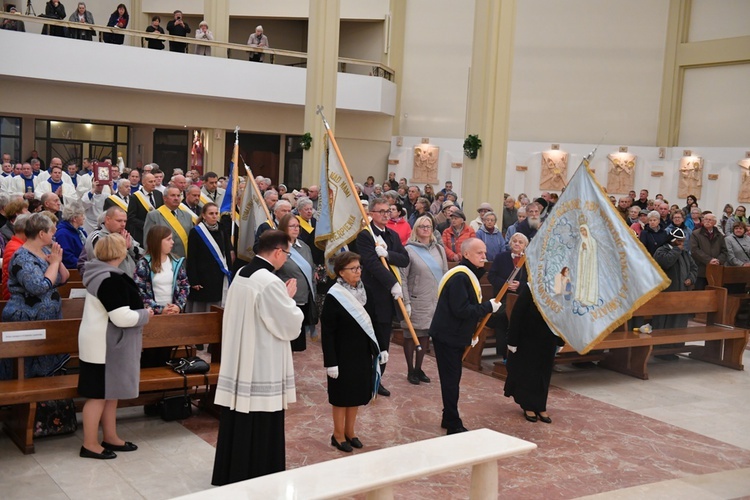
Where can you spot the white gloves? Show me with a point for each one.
(333, 371)
(512, 348)
(383, 358)
(397, 292)
(495, 305)
(474, 341)
(408, 310)
(382, 252)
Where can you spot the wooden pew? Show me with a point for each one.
(64, 289)
(628, 352)
(721, 276)
(74, 275)
(61, 336)
(71, 308)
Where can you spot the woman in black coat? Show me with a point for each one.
(532, 347)
(118, 19)
(54, 10)
(350, 349)
(207, 277)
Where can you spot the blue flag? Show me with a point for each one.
(227, 203)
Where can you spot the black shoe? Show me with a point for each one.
(546, 420)
(382, 391)
(456, 430)
(343, 446)
(104, 455)
(530, 418)
(422, 377)
(355, 442)
(128, 446)
(413, 378)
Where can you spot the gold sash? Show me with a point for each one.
(174, 223)
(144, 201)
(185, 208)
(467, 271)
(205, 199)
(305, 225)
(119, 202)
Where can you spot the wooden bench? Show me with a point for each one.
(376, 472)
(628, 352)
(71, 308)
(62, 337)
(64, 289)
(721, 276)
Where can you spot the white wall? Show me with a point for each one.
(711, 19)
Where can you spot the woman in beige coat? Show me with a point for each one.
(420, 279)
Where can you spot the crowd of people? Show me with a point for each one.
(120, 18)
(167, 247)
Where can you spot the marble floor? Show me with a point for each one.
(681, 434)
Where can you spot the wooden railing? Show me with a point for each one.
(374, 68)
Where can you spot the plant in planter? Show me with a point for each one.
(472, 145)
(306, 141)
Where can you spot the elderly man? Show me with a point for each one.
(180, 182)
(256, 378)
(115, 219)
(412, 195)
(259, 41)
(383, 286)
(172, 216)
(271, 197)
(510, 213)
(666, 219)
(455, 235)
(120, 198)
(210, 191)
(307, 225)
(314, 193)
(51, 203)
(478, 221)
(144, 201)
(459, 308)
(280, 209)
(533, 220)
(192, 203)
(262, 184)
(707, 246)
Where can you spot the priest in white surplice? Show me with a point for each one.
(256, 379)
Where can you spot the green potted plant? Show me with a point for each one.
(472, 145)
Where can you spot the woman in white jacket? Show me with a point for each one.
(203, 33)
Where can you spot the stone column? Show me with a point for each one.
(488, 112)
(216, 14)
(322, 71)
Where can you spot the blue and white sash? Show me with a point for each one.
(213, 247)
(358, 313)
(304, 266)
(428, 259)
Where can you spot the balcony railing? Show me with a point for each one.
(373, 67)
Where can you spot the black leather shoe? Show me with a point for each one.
(104, 455)
(413, 378)
(530, 418)
(343, 446)
(355, 442)
(128, 446)
(382, 391)
(422, 377)
(457, 430)
(546, 420)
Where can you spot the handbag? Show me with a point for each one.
(189, 366)
(55, 417)
(177, 407)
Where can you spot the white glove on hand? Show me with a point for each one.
(474, 341)
(397, 292)
(383, 357)
(408, 310)
(382, 252)
(512, 348)
(333, 371)
(495, 305)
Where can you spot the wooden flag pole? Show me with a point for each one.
(349, 180)
(499, 296)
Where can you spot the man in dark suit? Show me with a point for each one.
(381, 282)
(529, 226)
(141, 203)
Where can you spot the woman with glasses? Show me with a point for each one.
(420, 280)
(350, 349)
(739, 216)
(209, 262)
(300, 266)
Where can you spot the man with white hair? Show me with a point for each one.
(271, 197)
(533, 220)
(307, 225)
(707, 246)
(259, 41)
(262, 184)
(280, 209)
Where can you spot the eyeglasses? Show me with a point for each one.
(354, 269)
(288, 253)
(381, 212)
(424, 226)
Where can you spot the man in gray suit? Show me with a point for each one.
(172, 216)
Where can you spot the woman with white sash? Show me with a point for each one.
(299, 266)
(419, 280)
(350, 350)
(207, 266)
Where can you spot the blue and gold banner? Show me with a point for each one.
(587, 270)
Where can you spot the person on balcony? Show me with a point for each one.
(178, 27)
(203, 33)
(260, 41)
(155, 43)
(118, 19)
(83, 16)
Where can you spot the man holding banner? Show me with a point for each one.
(380, 241)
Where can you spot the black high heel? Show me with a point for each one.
(343, 446)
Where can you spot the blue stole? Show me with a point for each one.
(358, 313)
(74, 180)
(428, 259)
(55, 185)
(213, 247)
(29, 184)
(304, 266)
